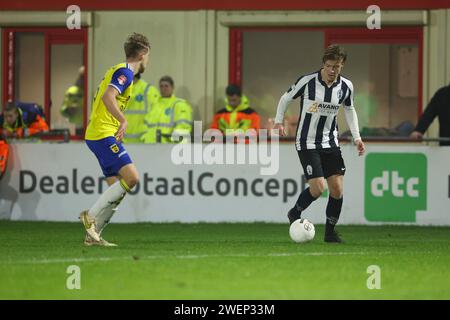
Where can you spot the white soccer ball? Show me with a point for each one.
(302, 230)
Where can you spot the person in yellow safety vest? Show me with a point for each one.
(72, 106)
(170, 114)
(143, 98)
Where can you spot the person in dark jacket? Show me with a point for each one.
(439, 106)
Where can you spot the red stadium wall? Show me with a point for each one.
(223, 5)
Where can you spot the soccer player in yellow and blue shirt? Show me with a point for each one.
(104, 136)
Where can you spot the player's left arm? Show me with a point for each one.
(352, 120)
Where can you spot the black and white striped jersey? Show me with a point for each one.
(319, 105)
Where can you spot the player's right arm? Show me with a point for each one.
(296, 90)
(120, 81)
(110, 101)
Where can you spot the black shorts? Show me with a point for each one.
(322, 162)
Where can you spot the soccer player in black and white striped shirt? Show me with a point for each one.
(321, 94)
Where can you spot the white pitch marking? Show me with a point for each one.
(202, 256)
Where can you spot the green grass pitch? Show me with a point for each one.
(222, 261)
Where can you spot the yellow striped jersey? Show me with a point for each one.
(102, 124)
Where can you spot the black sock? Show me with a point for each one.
(304, 200)
(333, 212)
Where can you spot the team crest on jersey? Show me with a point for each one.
(114, 148)
(339, 94)
(313, 108)
(122, 80)
(309, 169)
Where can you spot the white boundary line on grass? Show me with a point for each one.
(202, 256)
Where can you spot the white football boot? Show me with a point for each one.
(89, 241)
(89, 224)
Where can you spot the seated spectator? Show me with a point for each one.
(21, 120)
(237, 114)
(168, 115)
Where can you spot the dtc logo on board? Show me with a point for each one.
(395, 186)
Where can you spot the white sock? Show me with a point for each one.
(103, 219)
(105, 215)
(112, 196)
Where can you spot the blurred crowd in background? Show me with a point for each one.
(155, 113)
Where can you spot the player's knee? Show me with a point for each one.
(317, 188)
(337, 193)
(321, 187)
(336, 190)
(131, 181)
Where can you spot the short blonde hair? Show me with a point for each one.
(135, 44)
